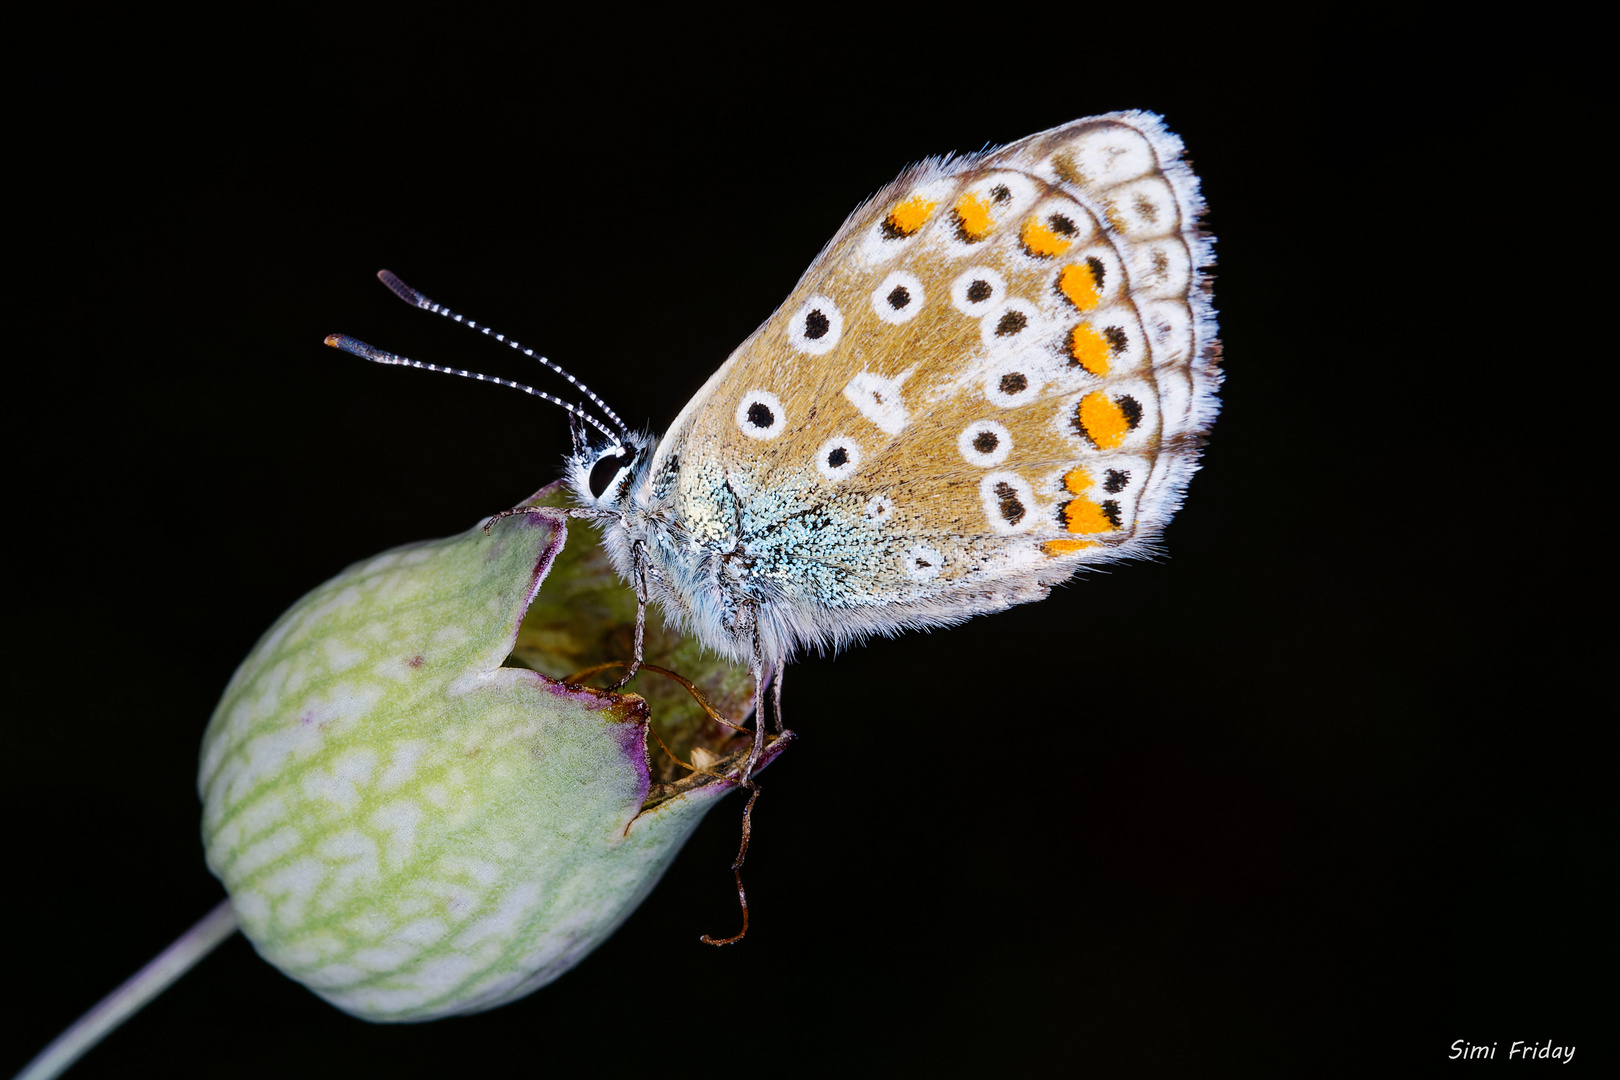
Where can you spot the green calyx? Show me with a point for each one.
(414, 821)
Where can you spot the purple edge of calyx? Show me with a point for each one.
(632, 736)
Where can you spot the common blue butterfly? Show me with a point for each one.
(1001, 370)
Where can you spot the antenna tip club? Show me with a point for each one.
(402, 290)
(356, 347)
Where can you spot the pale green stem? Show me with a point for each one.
(142, 987)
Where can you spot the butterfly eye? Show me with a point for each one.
(606, 469)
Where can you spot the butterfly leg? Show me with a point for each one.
(761, 674)
(757, 666)
(736, 869)
(549, 513)
(776, 699)
(560, 515)
(640, 556)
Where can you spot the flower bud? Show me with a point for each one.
(413, 827)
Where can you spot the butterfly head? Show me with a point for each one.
(603, 475)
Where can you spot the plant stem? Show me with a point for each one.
(125, 1001)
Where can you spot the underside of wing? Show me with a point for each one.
(1000, 369)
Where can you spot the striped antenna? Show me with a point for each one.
(356, 347)
(416, 299)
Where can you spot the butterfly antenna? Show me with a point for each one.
(356, 347)
(416, 299)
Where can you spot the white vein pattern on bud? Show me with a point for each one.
(358, 840)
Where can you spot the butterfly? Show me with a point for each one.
(1000, 371)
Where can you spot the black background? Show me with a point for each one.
(1314, 794)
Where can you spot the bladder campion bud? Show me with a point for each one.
(414, 828)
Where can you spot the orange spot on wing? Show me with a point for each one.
(1066, 547)
(1079, 284)
(909, 216)
(1076, 481)
(1089, 349)
(973, 212)
(1102, 420)
(1040, 239)
(1085, 516)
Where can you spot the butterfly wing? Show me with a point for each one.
(999, 370)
